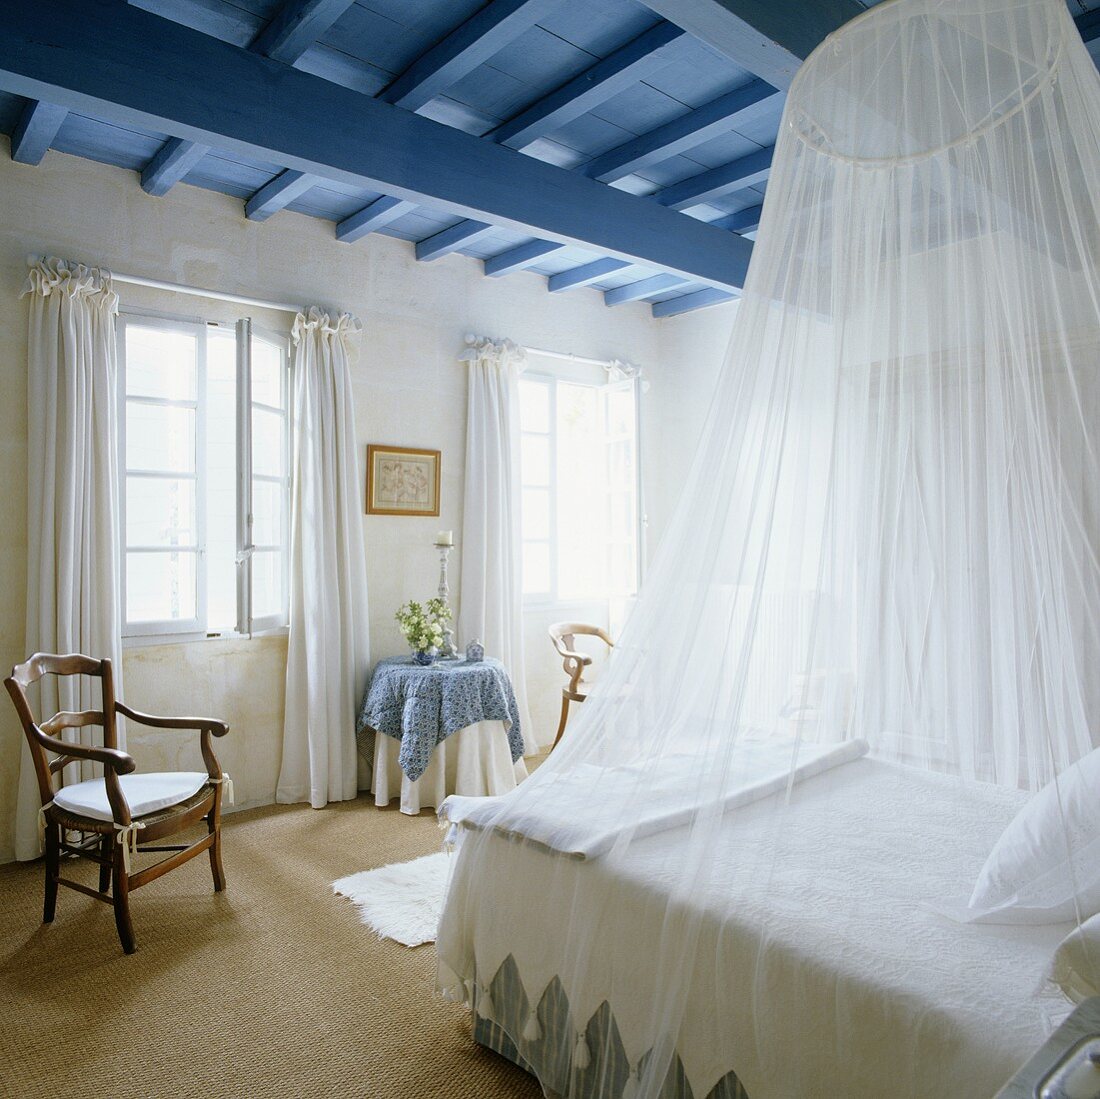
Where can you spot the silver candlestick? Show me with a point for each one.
(445, 543)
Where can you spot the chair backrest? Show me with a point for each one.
(564, 635)
(40, 734)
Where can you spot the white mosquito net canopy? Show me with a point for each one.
(758, 858)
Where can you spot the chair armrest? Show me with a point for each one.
(120, 762)
(205, 726)
(581, 658)
(202, 724)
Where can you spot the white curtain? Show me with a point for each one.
(327, 661)
(491, 592)
(72, 482)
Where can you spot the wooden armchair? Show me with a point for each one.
(111, 812)
(564, 634)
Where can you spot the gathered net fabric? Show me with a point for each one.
(870, 632)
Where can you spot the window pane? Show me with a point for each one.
(622, 570)
(536, 568)
(221, 484)
(160, 586)
(536, 513)
(579, 411)
(268, 446)
(267, 373)
(160, 438)
(534, 405)
(267, 513)
(267, 583)
(581, 569)
(535, 459)
(221, 354)
(161, 363)
(581, 494)
(221, 592)
(620, 459)
(620, 411)
(621, 516)
(160, 512)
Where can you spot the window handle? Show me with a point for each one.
(245, 554)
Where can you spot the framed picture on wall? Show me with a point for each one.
(402, 480)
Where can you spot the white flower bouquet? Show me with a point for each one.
(422, 625)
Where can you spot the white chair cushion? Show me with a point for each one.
(144, 793)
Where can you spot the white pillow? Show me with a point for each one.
(1076, 965)
(1027, 877)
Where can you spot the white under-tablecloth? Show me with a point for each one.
(474, 762)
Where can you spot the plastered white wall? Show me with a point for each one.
(409, 390)
(691, 351)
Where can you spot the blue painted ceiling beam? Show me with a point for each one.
(35, 131)
(296, 26)
(450, 240)
(717, 117)
(744, 221)
(724, 180)
(1088, 23)
(131, 68)
(584, 275)
(279, 193)
(769, 38)
(380, 213)
(523, 255)
(173, 161)
(482, 36)
(644, 288)
(625, 67)
(686, 303)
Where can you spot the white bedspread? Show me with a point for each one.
(580, 814)
(813, 909)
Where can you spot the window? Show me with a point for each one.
(579, 472)
(205, 444)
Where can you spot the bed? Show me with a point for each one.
(931, 1006)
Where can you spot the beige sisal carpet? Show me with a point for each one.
(273, 988)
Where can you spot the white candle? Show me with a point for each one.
(445, 538)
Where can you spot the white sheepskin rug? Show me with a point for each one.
(402, 901)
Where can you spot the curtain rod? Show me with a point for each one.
(197, 291)
(568, 356)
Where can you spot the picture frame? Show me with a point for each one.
(402, 480)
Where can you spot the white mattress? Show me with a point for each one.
(854, 990)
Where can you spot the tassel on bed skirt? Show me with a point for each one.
(532, 1032)
(582, 1058)
(485, 1006)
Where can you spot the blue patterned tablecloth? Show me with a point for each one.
(423, 706)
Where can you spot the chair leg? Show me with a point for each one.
(105, 866)
(121, 882)
(214, 826)
(564, 719)
(53, 869)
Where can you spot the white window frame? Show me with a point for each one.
(194, 629)
(194, 327)
(549, 381)
(247, 332)
(637, 520)
(547, 600)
